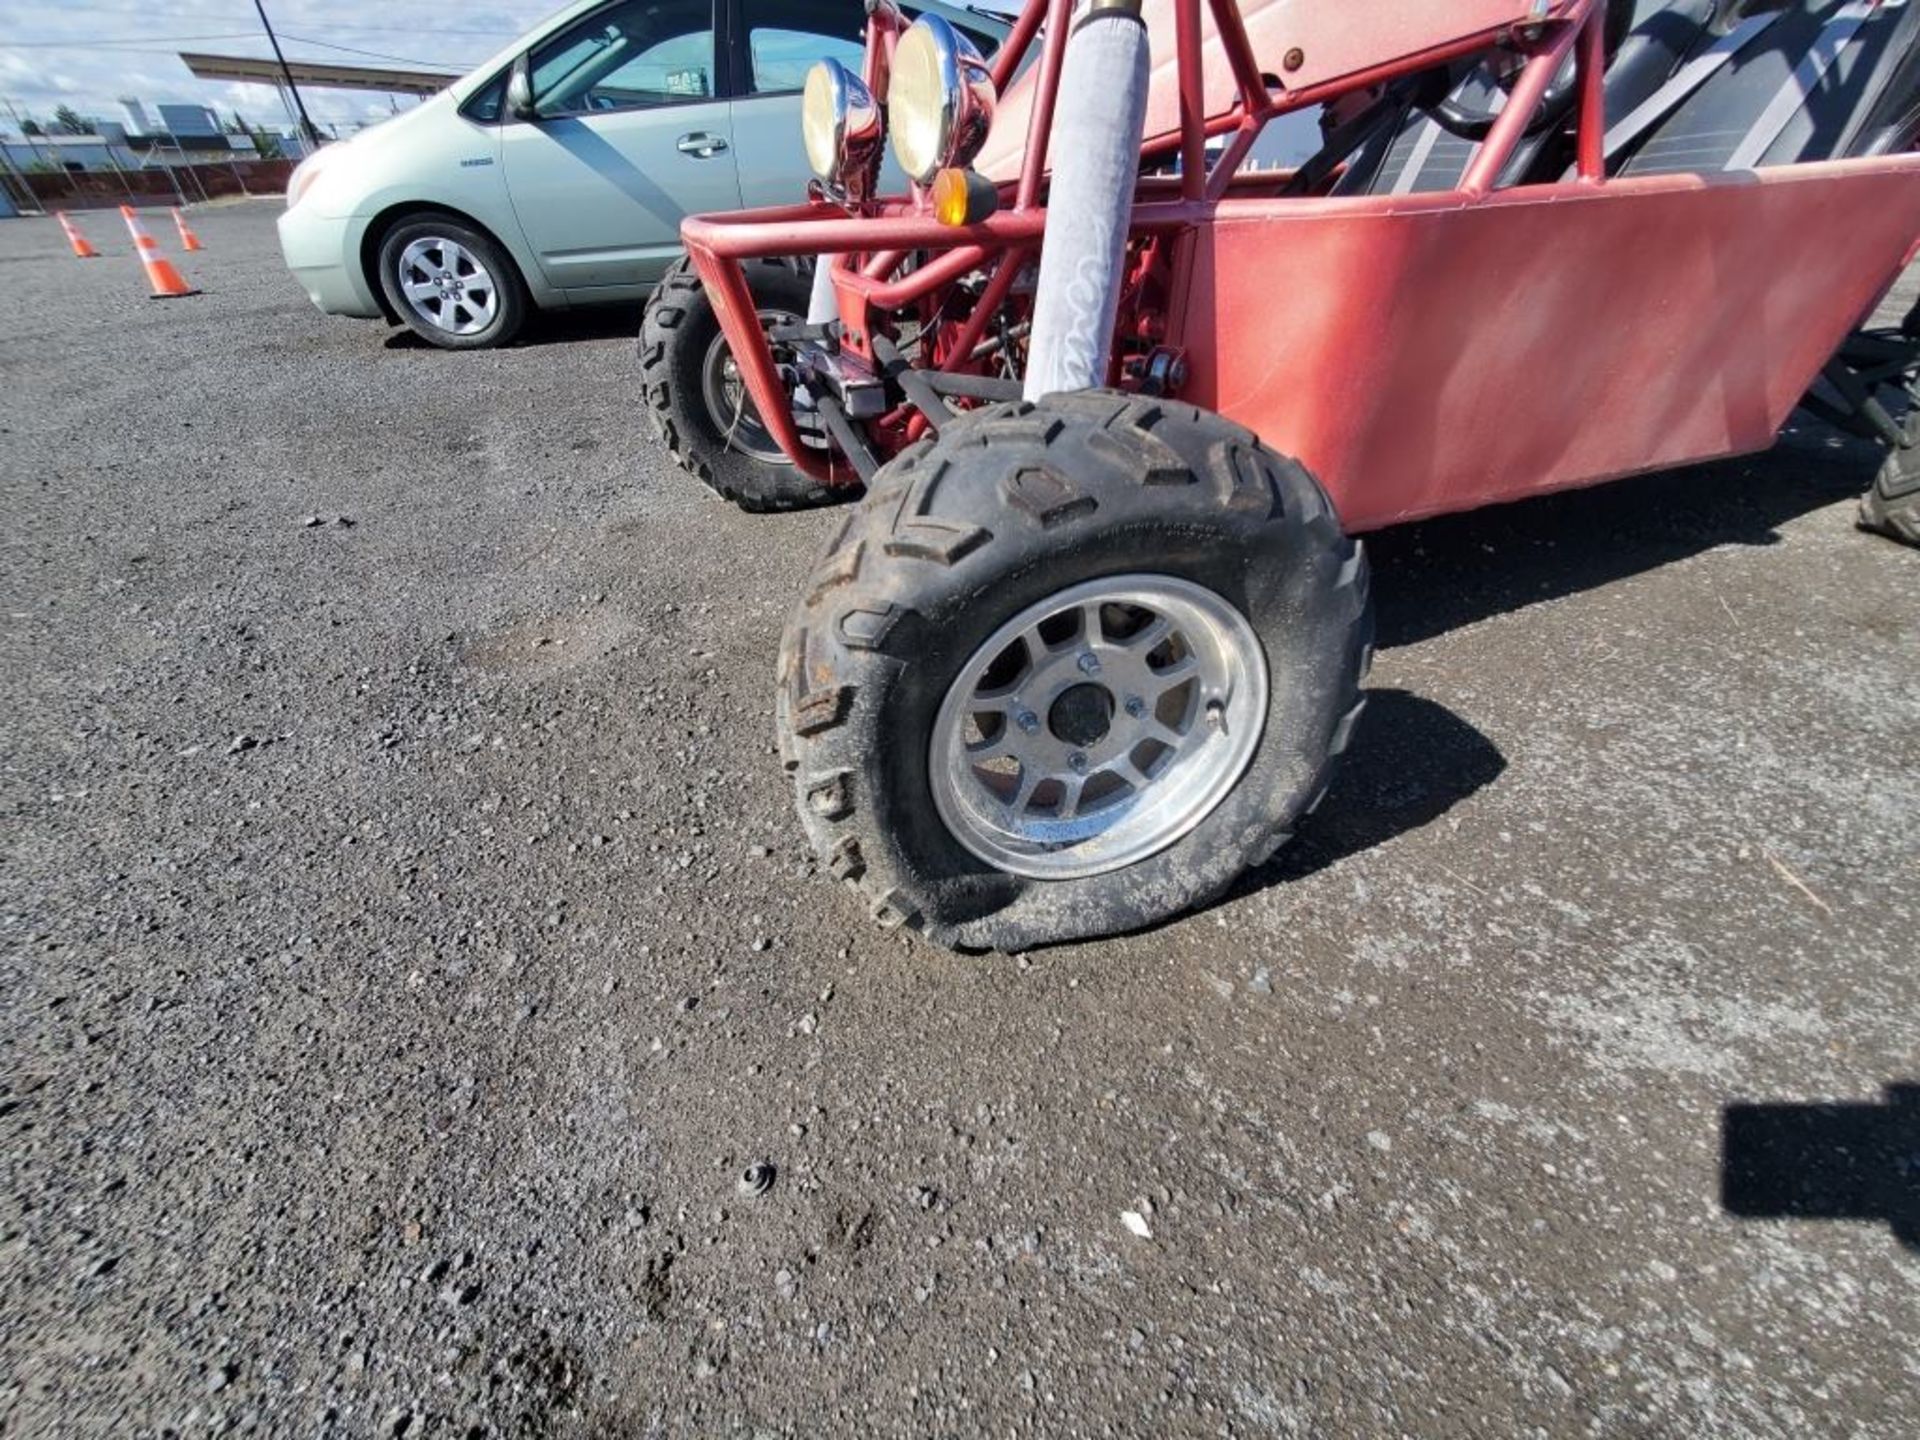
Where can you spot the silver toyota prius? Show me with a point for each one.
(557, 173)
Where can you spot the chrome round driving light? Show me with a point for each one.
(940, 99)
(842, 127)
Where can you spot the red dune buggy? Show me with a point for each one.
(1121, 381)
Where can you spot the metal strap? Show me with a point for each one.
(1800, 85)
(1428, 140)
(1417, 161)
(1690, 77)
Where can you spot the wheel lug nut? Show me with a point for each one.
(1078, 762)
(1028, 722)
(1090, 664)
(1136, 707)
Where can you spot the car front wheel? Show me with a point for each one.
(451, 283)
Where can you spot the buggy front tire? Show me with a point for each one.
(697, 401)
(1069, 670)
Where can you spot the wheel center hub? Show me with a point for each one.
(1082, 715)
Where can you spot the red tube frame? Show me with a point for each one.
(868, 248)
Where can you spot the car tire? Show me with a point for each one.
(1118, 509)
(680, 347)
(451, 283)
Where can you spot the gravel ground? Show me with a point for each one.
(408, 945)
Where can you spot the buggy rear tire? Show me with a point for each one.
(1892, 507)
(1152, 509)
(680, 342)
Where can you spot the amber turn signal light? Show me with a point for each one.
(960, 197)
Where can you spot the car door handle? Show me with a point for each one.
(700, 145)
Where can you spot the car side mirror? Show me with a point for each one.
(520, 92)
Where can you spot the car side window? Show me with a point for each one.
(786, 37)
(626, 57)
(489, 102)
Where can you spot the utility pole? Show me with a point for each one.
(307, 128)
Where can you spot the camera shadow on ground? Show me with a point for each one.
(1826, 1160)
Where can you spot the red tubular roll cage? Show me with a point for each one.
(868, 249)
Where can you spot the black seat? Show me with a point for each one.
(1877, 67)
(1664, 37)
(1809, 86)
(1891, 123)
(1419, 156)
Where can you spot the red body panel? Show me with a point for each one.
(1421, 354)
(1335, 41)
(1422, 357)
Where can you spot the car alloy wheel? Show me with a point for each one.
(448, 286)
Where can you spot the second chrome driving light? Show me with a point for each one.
(940, 99)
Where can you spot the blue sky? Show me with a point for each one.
(88, 53)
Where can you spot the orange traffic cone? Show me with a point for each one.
(81, 249)
(166, 281)
(189, 241)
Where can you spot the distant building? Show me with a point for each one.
(147, 136)
(190, 123)
(69, 152)
(115, 149)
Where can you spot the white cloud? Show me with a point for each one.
(89, 53)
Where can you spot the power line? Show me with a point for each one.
(144, 45)
(377, 54)
(142, 50)
(129, 42)
(534, 12)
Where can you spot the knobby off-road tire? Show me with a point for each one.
(1892, 507)
(677, 337)
(1001, 512)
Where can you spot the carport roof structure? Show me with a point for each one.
(325, 76)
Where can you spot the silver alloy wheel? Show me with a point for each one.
(448, 286)
(1098, 727)
(725, 391)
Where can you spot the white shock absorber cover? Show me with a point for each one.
(822, 304)
(1095, 154)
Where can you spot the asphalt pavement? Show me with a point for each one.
(419, 1015)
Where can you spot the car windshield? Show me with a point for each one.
(639, 54)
